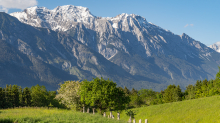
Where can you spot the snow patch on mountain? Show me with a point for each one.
(115, 25)
(215, 46)
(56, 18)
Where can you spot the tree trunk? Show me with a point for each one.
(83, 109)
(93, 110)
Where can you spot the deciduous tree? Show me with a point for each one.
(68, 94)
(103, 94)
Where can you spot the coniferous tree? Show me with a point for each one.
(38, 96)
(51, 99)
(198, 88)
(15, 96)
(126, 91)
(147, 95)
(212, 88)
(2, 97)
(133, 91)
(26, 95)
(172, 94)
(21, 99)
(168, 94)
(177, 94)
(190, 92)
(217, 82)
(8, 96)
(120, 88)
(135, 98)
(159, 99)
(204, 88)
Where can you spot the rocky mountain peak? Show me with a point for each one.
(184, 35)
(129, 18)
(75, 10)
(216, 46)
(58, 19)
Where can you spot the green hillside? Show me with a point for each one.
(203, 110)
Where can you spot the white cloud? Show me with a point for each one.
(16, 4)
(188, 25)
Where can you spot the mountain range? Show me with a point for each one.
(70, 43)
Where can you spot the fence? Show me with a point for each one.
(112, 116)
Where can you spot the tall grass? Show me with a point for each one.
(44, 115)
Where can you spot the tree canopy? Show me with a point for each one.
(68, 94)
(103, 94)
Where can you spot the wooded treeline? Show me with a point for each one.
(14, 96)
(102, 94)
(173, 93)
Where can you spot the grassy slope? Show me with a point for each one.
(204, 110)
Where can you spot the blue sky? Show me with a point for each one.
(200, 19)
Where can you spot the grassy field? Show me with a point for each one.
(203, 110)
(32, 115)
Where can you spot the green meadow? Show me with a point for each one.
(44, 115)
(202, 110)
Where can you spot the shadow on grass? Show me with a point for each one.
(6, 121)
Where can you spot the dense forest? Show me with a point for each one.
(36, 96)
(102, 94)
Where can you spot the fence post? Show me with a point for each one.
(110, 114)
(104, 114)
(134, 121)
(140, 121)
(118, 116)
(83, 109)
(129, 120)
(87, 110)
(145, 120)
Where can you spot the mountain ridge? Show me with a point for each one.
(146, 52)
(57, 50)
